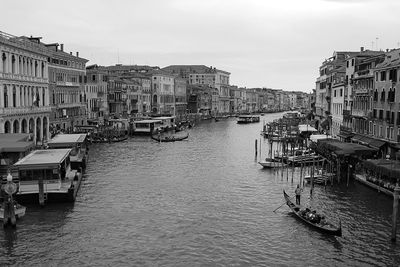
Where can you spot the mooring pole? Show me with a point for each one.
(256, 147)
(395, 210)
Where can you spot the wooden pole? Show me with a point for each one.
(395, 210)
(312, 177)
(255, 144)
(348, 173)
(41, 190)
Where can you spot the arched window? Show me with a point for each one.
(14, 97)
(393, 95)
(376, 95)
(42, 71)
(13, 64)
(4, 62)
(36, 68)
(5, 97)
(383, 95)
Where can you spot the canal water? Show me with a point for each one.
(200, 202)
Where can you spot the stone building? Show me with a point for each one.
(67, 88)
(24, 90)
(163, 99)
(96, 94)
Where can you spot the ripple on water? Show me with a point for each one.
(202, 202)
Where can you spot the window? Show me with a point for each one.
(347, 63)
(380, 131)
(383, 75)
(387, 132)
(5, 97)
(381, 114)
(334, 93)
(341, 92)
(383, 95)
(352, 62)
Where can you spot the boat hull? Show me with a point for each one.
(328, 228)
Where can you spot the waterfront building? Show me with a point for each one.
(324, 93)
(180, 90)
(360, 86)
(199, 99)
(337, 100)
(67, 89)
(116, 90)
(24, 86)
(385, 123)
(96, 94)
(163, 99)
(203, 75)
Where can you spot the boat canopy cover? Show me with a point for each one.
(43, 159)
(65, 139)
(15, 143)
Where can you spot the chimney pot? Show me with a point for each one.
(387, 50)
(362, 48)
(70, 53)
(62, 47)
(77, 54)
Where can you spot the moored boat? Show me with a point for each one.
(170, 138)
(46, 176)
(271, 163)
(313, 219)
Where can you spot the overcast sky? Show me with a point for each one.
(276, 44)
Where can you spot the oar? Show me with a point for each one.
(282, 205)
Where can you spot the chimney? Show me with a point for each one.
(387, 50)
(77, 54)
(70, 53)
(362, 48)
(62, 47)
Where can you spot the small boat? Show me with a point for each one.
(320, 178)
(19, 211)
(311, 218)
(271, 163)
(169, 138)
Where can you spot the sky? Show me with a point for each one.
(262, 43)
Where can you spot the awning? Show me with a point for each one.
(377, 143)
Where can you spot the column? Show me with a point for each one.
(48, 128)
(41, 129)
(34, 130)
(2, 97)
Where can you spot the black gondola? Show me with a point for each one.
(169, 138)
(302, 214)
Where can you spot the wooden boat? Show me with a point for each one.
(271, 163)
(169, 138)
(302, 214)
(19, 211)
(320, 178)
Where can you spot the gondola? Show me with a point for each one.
(302, 214)
(169, 138)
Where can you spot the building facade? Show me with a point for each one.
(67, 88)
(96, 94)
(24, 90)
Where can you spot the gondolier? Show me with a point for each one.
(298, 194)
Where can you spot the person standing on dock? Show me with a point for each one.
(298, 194)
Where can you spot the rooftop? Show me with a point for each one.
(15, 143)
(47, 157)
(67, 138)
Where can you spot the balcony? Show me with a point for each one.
(359, 113)
(68, 84)
(70, 105)
(19, 77)
(24, 110)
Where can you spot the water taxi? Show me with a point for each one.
(46, 176)
(248, 119)
(78, 143)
